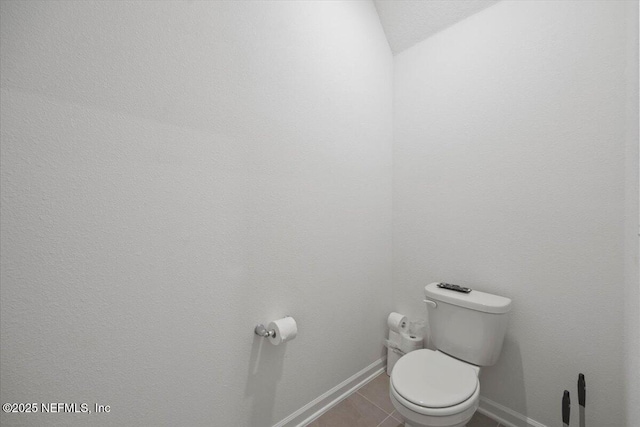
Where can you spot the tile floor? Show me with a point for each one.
(370, 406)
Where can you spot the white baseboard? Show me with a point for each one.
(505, 416)
(314, 409)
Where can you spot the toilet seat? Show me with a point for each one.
(468, 407)
(431, 383)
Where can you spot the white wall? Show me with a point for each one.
(632, 230)
(174, 173)
(509, 176)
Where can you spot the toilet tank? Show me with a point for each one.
(470, 327)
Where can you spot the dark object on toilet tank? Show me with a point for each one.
(456, 288)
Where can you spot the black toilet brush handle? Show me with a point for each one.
(582, 397)
(566, 409)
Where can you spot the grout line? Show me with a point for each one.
(382, 422)
(369, 400)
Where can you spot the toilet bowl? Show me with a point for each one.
(432, 389)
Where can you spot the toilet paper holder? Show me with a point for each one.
(264, 332)
(260, 330)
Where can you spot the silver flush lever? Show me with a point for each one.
(430, 303)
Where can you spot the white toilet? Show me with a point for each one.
(441, 388)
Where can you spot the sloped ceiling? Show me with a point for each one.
(407, 22)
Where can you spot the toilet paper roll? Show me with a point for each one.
(418, 328)
(409, 343)
(397, 322)
(285, 330)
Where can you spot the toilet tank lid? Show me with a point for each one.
(475, 300)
